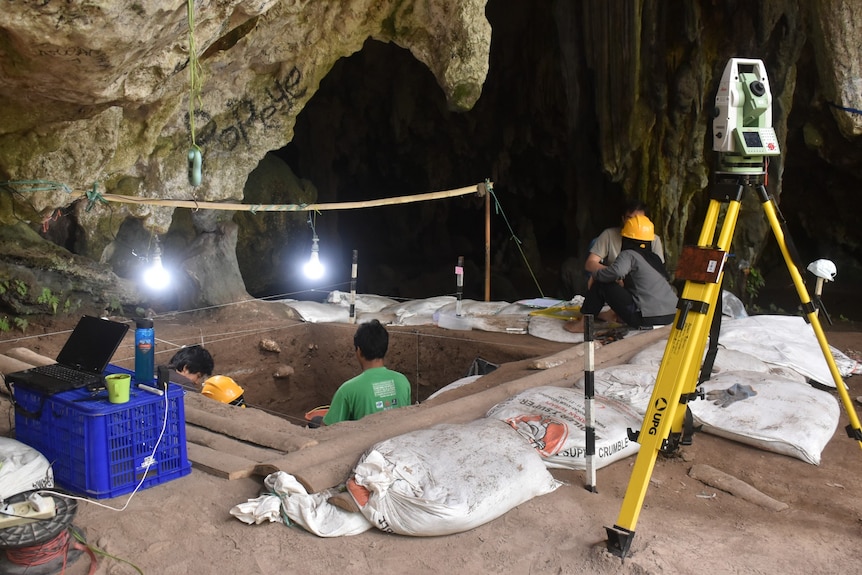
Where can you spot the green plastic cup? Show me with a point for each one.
(118, 385)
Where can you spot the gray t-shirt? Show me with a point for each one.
(609, 244)
(653, 294)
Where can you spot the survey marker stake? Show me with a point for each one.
(589, 403)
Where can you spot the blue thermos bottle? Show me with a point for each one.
(145, 351)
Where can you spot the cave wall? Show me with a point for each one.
(568, 107)
(584, 104)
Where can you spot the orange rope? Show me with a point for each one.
(50, 551)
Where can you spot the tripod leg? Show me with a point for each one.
(677, 375)
(810, 310)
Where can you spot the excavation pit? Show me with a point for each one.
(293, 368)
(288, 367)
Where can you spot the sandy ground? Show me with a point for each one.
(685, 526)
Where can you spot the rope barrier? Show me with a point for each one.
(93, 197)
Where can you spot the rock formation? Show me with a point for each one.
(566, 106)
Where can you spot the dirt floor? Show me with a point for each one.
(685, 526)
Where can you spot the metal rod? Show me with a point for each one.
(589, 403)
(459, 284)
(353, 273)
(487, 246)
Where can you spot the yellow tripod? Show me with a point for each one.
(677, 379)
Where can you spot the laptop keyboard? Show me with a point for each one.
(64, 373)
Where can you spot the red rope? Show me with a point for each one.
(50, 551)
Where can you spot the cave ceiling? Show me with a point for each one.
(567, 108)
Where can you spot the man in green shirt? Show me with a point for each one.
(377, 388)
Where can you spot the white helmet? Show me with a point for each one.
(823, 269)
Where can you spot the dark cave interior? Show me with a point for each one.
(379, 126)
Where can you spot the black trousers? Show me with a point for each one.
(622, 302)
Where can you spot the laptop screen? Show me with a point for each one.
(92, 344)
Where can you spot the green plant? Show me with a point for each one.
(46, 297)
(68, 306)
(21, 323)
(754, 282)
(4, 323)
(20, 287)
(114, 305)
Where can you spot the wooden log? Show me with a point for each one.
(251, 425)
(10, 365)
(226, 444)
(721, 480)
(559, 358)
(29, 356)
(329, 463)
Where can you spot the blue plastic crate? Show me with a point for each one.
(101, 449)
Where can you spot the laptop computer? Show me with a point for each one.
(80, 363)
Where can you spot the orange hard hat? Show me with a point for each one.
(224, 389)
(638, 228)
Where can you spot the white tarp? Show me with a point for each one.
(784, 340)
(784, 416)
(286, 497)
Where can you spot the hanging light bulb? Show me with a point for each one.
(156, 276)
(313, 268)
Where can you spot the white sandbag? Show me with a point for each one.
(725, 360)
(362, 302)
(732, 306)
(312, 511)
(551, 329)
(483, 316)
(553, 420)
(454, 385)
(417, 312)
(516, 309)
(630, 384)
(503, 323)
(448, 478)
(473, 308)
(785, 416)
(22, 468)
(317, 312)
(386, 318)
(784, 340)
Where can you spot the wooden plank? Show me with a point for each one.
(227, 444)
(252, 425)
(219, 463)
